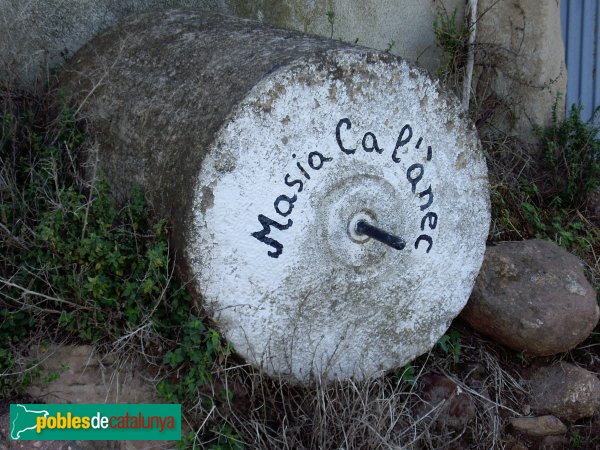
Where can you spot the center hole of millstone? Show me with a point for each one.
(366, 216)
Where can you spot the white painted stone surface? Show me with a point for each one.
(332, 304)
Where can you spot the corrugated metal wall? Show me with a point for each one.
(581, 35)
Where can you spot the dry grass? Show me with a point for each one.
(382, 413)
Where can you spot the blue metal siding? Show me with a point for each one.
(581, 36)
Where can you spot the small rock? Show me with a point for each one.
(538, 426)
(532, 296)
(458, 409)
(565, 390)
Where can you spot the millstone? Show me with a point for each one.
(283, 161)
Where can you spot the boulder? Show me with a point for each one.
(532, 296)
(538, 426)
(565, 390)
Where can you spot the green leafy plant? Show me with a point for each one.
(193, 361)
(407, 375)
(54, 375)
(98, 268)
(452, 38)
(550, 206)
(549, 200)
(331, 19)
(95, 271)
(576, 440)
(390, 46)
(571, 157)
(449, 343)
(227, 440)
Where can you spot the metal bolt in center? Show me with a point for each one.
(363, 227)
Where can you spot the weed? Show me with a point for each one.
(331, 19)
(576, 440)
(547, 199)
(75, 261)
(407, 375)
(390, 46)
(449, 343)
(227, 439)
(193, 360)
(571, 158)
(452, 38)
(53, 375)
(98, 268)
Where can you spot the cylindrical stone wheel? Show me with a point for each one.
(267, 148)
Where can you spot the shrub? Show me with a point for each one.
(78, 266)
(571, 158)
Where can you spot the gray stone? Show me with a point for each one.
(532, 296)
(538, 426)
(38, 36)
(565, 390)
(259, 145)
(520, 56)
